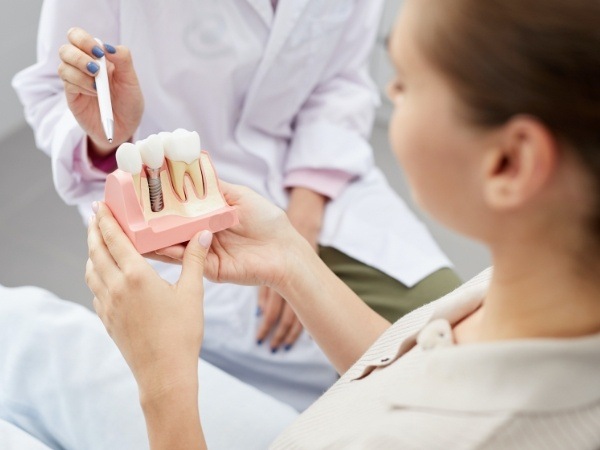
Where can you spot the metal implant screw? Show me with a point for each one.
(155, 188)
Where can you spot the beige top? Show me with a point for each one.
(415, 389)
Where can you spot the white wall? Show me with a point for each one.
(18, 32)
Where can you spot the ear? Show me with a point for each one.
(520, 164)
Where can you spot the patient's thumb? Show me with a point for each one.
(194, 259)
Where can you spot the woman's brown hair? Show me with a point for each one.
(535, 57)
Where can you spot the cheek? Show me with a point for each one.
(410, 145)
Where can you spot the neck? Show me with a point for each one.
(538, 291)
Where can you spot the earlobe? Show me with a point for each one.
(521, 164)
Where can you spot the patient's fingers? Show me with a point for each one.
(286, 323)
(99, 308)
(173, 254)
(118, 244)
(104, 266)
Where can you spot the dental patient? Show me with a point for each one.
(496, 126)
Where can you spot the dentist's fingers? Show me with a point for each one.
(77, 58)
(293, 335)
(122, 60)
(287, 322)
(72, 90)
(271, 313)
(85, 42)
(75, 81)
(263, 293)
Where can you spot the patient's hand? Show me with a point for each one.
(257, 251)
(157, 326)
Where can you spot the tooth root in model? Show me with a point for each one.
(129, 160)
(153, 156)
(182, 149)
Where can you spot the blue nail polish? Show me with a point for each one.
(274, 350)
(259, 342)
(110, 49)
(97, 52)
(288, 347)
(93, 67)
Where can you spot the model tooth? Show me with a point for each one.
(152, 151)
(183, 145)
(129, 158)
(165, 136)
(177, 174)
(195, 173)
(182, 149)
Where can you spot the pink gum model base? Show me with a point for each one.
(161, 232)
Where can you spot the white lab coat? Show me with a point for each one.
(269, 94)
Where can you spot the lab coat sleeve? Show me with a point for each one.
(40, 90)
(332, 129)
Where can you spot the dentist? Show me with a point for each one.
(281, 96)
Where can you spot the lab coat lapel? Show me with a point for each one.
(264, 9)
(287, 16)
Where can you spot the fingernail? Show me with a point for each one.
(110, 49)
(93, 67)
(274, 350)
(287, 347)
(259, 342)
(95, 206)
(97, 52)
(258, 311)
(205, 238)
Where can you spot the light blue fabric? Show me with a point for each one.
(63, 381)
(13, 438)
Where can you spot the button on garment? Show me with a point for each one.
(435, 334)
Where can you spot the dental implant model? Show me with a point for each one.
(153, 156)
(165, 190)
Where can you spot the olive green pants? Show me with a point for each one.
(384, 294)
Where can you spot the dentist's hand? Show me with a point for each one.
(157, 326)
(78, 69)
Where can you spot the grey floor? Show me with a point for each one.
(43, 240)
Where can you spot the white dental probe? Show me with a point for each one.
(104, 102)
